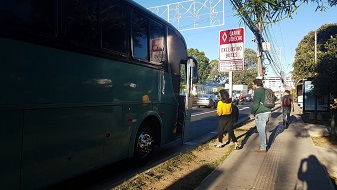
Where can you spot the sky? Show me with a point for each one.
(285, 35)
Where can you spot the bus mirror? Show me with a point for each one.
(194, 68)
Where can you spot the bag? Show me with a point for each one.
(235, 113)
(286, 101)
(269, 98)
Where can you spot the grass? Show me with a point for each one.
(157, 173)
(187, 169)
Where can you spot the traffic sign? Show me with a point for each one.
(231, 50)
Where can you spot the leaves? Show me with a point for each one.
(204, 67)
(326, 67)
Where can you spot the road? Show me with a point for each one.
(203, 121)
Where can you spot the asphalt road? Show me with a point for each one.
(203, 121)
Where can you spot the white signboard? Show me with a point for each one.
(157, 50)
(231, 50)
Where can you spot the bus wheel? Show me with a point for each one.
(144, 145)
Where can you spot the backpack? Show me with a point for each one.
(286, 101)
(235, 113)
(269, 98)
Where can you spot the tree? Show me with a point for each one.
(326, 70)
(215, 75)
(256, 14)
(204, 67)
(304, 64)
(272, 11)
(249, 73)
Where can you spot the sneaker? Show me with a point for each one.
(237, 146)
(260, 150)
(220, 145)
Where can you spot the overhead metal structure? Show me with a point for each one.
(192, 14)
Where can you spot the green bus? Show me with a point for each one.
(84, 84)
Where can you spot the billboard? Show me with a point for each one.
(309, 99)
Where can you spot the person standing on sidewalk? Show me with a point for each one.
(224, 111)
(261, 113)
(286, 105)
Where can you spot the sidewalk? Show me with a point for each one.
(291, 162)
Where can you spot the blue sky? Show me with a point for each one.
(285, 34)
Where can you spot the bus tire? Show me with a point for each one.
(144, 144)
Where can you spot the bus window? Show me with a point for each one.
(32, 17)
(81, 21)
(158, 50)
(139, 36)
(114, 26)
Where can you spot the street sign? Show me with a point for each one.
(231, 50)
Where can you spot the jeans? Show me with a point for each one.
(286, 115)
(261, 120)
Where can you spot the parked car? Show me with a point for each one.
(248, 98)
(207, 100)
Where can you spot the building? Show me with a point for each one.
(275, 83)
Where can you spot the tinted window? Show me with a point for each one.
(139, 36)
(157, 43)
(81, 21)
(114, 26)
(28, 17)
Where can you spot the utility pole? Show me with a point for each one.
(258, 36)
(315, 64)
(282, 72)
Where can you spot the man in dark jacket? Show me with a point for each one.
(261, 114)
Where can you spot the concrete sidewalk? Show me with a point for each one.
(292, 161)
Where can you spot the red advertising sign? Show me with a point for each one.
(232, 36)
(231, 50)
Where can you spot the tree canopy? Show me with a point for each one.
(208, 71)
(271, 11)
(324, 69)
(249, 73)
(215, 75)
(204, 67)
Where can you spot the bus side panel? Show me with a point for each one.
(169, 116)
(112, 147)
(11, 140)
(64, 142)
(168, 110)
